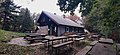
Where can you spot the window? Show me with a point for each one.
(67, 29)
(72, 29)
(55, 29)
(76, 29)
(49, 20)
(43, 20)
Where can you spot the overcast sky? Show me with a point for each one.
(41, 5)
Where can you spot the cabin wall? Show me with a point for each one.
(61, 30)
(46, 21)
(52, 26)
(74, 29)
(81, 30)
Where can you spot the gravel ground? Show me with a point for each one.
(40, 50)
(18, 41)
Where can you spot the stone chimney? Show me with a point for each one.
(64, 16)
(55, 14)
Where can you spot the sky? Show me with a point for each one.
(42, 5)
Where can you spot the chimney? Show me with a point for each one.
(54, 13)
(64, 16)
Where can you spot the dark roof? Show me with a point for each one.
(60, 20)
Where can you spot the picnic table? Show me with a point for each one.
(53, 39)
(73, 35)
(93, 43)
(36, 39)
(77, 40)
(59, 38)
(43, 35)
(62, 41)
(95, 37)
(83, 35)
(56, 38)
(102, 49)
(81, 38)
(107, 41)
(32, 35)
(84, 50)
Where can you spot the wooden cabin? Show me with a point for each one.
(57, 25)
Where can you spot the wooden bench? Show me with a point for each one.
(56, 46)
(62, 44)
(106, 41)
(33, 35)
(93, 43)
(84, 51)
(37, 39)
(58, 42)
(36, 44)
(102, 49)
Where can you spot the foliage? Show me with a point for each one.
(105, 14)
(8, 13)
(14, 19)
(114, 45)
(8, 49)
(27, 24)
(71, 5)
(35, 18)
(101, 15)
(7, 35)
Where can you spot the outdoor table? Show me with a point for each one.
(102, 49)
(77, 40)
(83, 35)
(56, 38)
(32, 35)
(50, 40)
(32, 40)
(108, 41)
(43, 35)
(73, 35)
(95, 37)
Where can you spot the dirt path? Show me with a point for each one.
(19, 41)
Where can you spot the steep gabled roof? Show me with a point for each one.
(60, 20)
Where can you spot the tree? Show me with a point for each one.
(106, 17)
(8, 14)
(27, 24)
(101, 15)
(19, 20)
(71, 5)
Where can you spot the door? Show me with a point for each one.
(54, 30)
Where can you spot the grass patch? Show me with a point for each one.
(12, 49)
(8, 49)
(114, 45)
(7, 35)
(82, 44)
